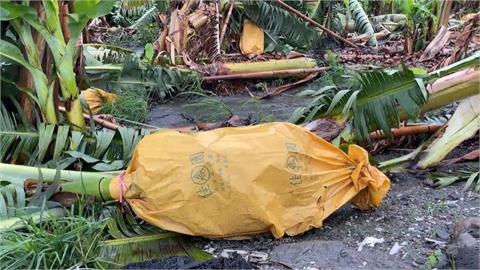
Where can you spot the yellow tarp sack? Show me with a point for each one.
(96, 97)
(252, 39)
(235, 182)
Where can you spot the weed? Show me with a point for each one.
(129, 105)
(432, 260)
(259, 116)
(412, 215)
(56, 243)
(209, 108)
(433, 208)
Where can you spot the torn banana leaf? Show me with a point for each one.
(472, 178)
(464, 123)
(143, 248)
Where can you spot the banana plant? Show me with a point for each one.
(63, 51)
(43, 89)
(418, 13)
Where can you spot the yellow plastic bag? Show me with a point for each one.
(96, 97)
(236, 182)
(252, 39)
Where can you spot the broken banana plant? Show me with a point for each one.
(177, 34)
(463, 124)
(193, 30)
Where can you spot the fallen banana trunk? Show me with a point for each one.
(267, 74)
(466, 86)
(295, 66)
(453, 79)
(463, 124)
(260, 66)
(192, 186)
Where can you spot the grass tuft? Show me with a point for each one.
(129, 105)
(56, 243)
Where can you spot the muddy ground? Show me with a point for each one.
(177, 113)
(414, 215)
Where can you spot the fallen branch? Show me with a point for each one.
(97, 119)
(473, 155)
(266, 74)
(233, 121)
(305, 18)
(364, 37)
(225, 22)
(407, 130)
(286, 87)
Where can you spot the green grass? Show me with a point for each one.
(129, 105)
(56, 243)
